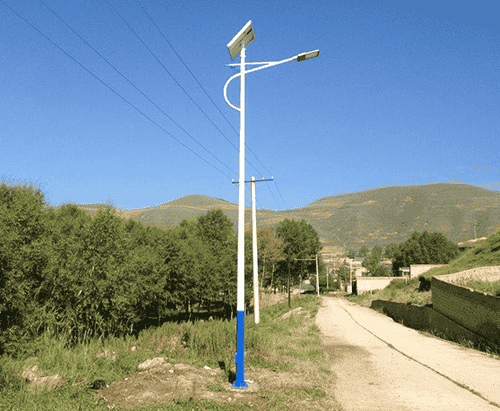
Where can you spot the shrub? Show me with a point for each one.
(396, 284)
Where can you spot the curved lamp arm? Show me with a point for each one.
(225, 91)
(299, 57)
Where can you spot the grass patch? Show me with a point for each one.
(315, 393)
(492, 288)
(277, 345)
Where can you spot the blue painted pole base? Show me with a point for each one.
(240, 352)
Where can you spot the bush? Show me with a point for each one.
(425, 284)
(397, 284)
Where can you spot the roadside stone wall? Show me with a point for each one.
(474, 310)
(426, 318)
(419, 269)
(366, 284)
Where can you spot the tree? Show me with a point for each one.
(300, 240)
(25, 253)
(372, 263)
(390, 251)
(216, 231)
(381, 271)
(351, 254)
(363, 251)
(270, 249)
(343, 273)
(194, 267)
(424, 248)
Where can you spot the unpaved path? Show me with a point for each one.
(382, 365)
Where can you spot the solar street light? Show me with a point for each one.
(237, 47)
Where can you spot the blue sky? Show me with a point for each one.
(402, 93)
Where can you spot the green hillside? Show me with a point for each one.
(484, 254)
(378, 216)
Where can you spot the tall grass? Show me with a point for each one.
(210, 343)
(492, 288)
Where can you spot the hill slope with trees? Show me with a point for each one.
(373, 217)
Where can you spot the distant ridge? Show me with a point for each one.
(372, 217)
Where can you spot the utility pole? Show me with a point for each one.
(256, 307)
(350, 275)
(317, 275)
(327, 266)
(327, 276)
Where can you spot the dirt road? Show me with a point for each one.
(382, 365)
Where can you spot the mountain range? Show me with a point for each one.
(373, 217)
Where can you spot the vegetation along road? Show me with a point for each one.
(382, 365)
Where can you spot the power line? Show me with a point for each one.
(175, 80)
(133, 85)
(215, 105)
(110, 88)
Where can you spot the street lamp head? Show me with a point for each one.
(309, 55)
(246, 35)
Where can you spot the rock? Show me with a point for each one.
(39, 380)
(289, 313)
(30, 373)
(108, 355)
(50, 382)
(155, 362)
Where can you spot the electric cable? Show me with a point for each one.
(133, 85)
(215, 105)
(173, 78)
(110, 88)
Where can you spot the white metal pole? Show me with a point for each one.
(241, 197)
(256, 307)
(240, 304)
(350, 276)
(327, 277)
(317, 275)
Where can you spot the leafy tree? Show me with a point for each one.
(151, 270)
(343, 273)
(91, 286)
(351, 253)
(381, 271)
(424, 248)
(194, 267)
(390, 251)
(363, 251)
(24, 255)
(216, 231)
(372, 263)
(300, 240)
(270, 250)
